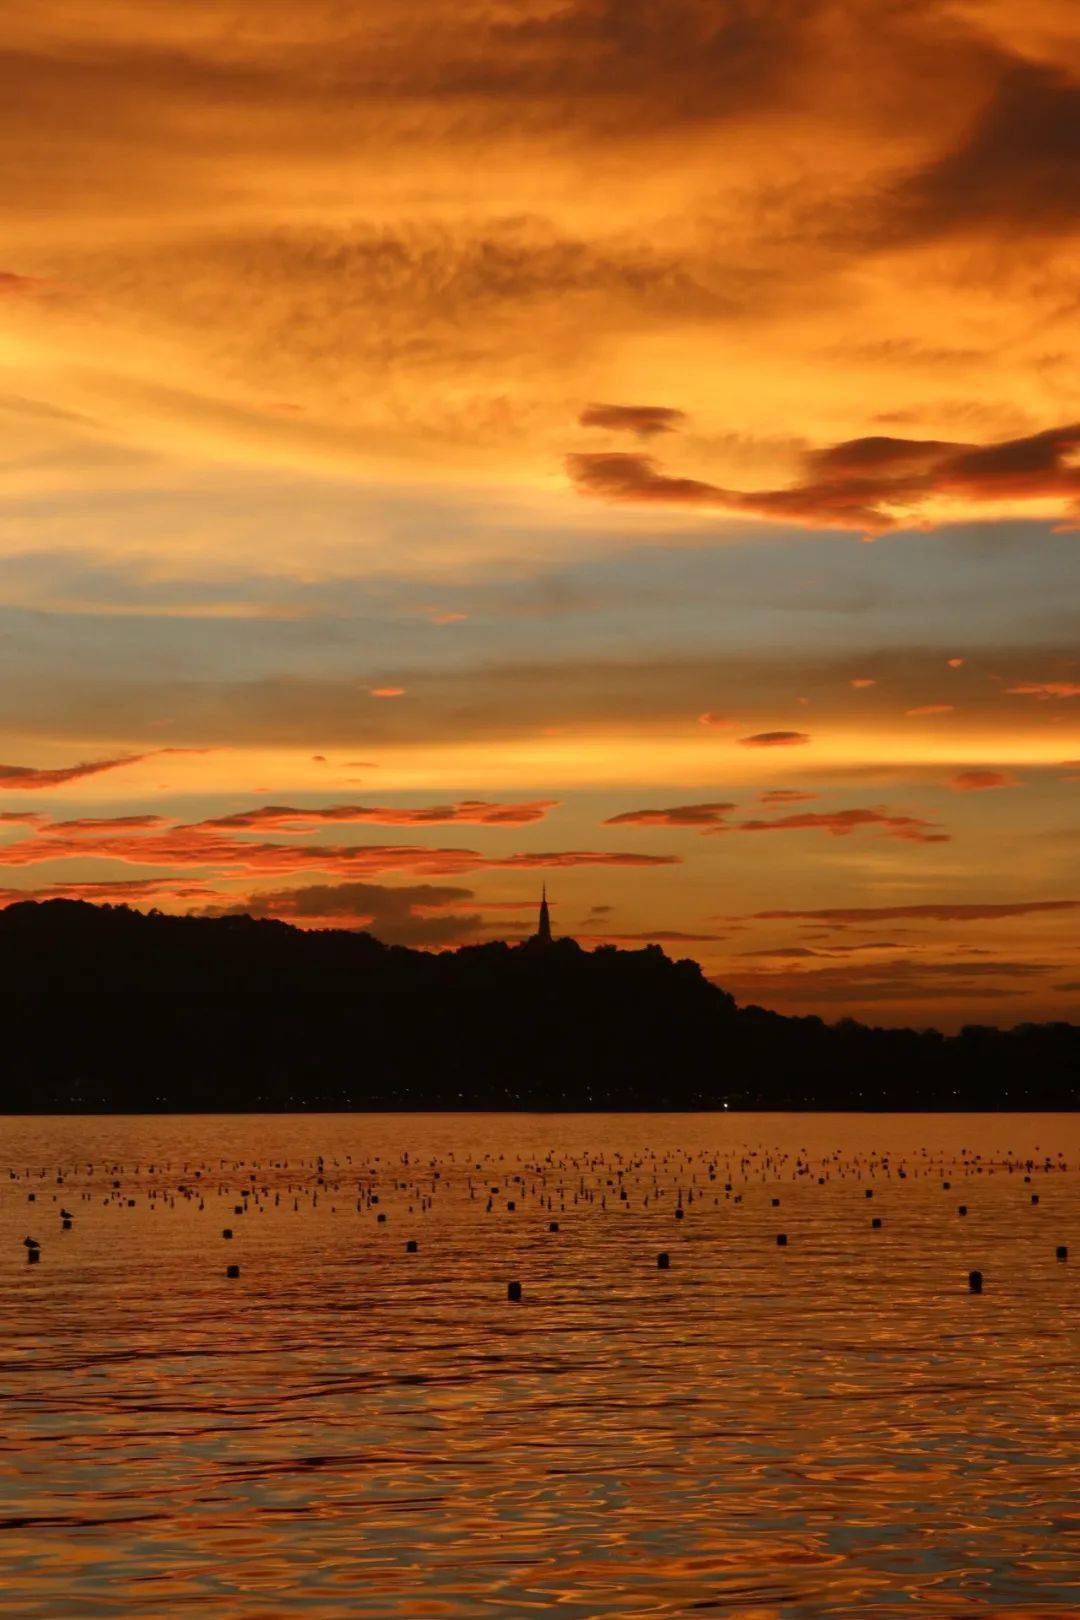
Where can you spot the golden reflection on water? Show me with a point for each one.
(832, 1427)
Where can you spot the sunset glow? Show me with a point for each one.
(453, 447)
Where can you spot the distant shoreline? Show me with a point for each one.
(523, 1112)
(108, 1011)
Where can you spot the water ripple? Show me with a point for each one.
(831, 1427)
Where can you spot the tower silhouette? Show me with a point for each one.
(543, 926)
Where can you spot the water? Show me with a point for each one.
(837, 1427)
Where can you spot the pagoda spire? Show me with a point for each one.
(543, 926)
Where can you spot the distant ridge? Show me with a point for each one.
(107, 1009)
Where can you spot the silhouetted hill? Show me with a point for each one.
(109, 1009)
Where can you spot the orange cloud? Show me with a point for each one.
(975, 780)
(931, 708)
(204, 845)
(1046, 689)
(13, 285)
(346, 421)
(775, 739)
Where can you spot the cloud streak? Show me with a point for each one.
(714, 818)
(679, 815)
(979, 779)
(842, 823)
(469, 812)
(1045, 689)
(965, 912)
(31, 778)
(207, 845)
(415, 915)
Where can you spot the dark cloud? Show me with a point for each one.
(774, 739)
(1017, 168)
(115, 891)
(471, 812)
(841, 823)
(644, 420)
(679, 815)
(577, 857)
(713, 818)
(656, 936)
(905, 979)
(622, 475)
(95, 824)
(872, 484)
(397, 915)
(29, 777)
(877, 456)
(785, 796)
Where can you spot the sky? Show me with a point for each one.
(625, 445)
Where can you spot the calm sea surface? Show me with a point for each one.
(836, 1426)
